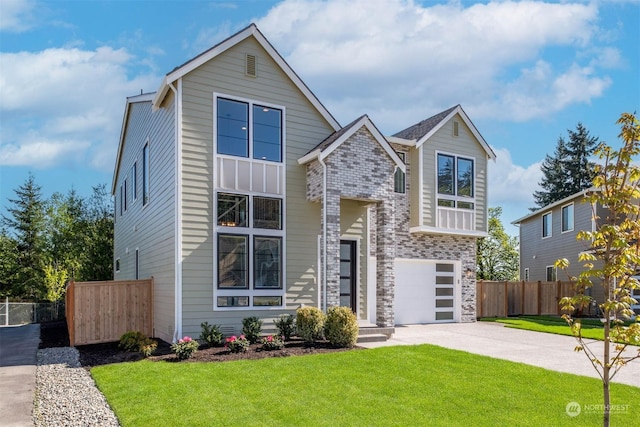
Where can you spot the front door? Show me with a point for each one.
(348, 274)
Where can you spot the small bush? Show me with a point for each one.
(286, 325)
(137, 342)
(341, 327)
(211, 334)
(272, 342)
(130, 341)
(310, 323)
(251, 328)
(185, 348)
(237, 344)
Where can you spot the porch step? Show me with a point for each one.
(372, 338)
(374, 333)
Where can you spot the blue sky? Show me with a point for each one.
(524, 72)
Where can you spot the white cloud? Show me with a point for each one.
(65, 105)
(398, 55)
(16, 15)
(509, 182)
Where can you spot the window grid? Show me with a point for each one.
(455, 181)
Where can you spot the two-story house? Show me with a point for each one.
(549, 234)
(239, 192)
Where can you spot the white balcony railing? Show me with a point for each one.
(456, 219)
(242, 174)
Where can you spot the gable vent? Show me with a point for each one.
(455, 128)
(250, 65)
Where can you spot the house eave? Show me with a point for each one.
(550, 206)
(423, 229)
(402, 141)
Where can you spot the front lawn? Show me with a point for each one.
(403, 385)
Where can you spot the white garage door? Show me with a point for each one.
(426, 291)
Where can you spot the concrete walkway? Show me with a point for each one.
(18, 352)
(549, 351)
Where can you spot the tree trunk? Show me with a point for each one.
(606, 370)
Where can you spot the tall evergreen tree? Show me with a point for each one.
(26, 220)
(98, 264)
(569, 170)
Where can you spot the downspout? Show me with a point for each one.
(177, 334)
(324, 230)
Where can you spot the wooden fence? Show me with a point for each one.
(100, 312)
(501, 299)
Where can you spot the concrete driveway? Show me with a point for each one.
(18, 353)
(549, 351)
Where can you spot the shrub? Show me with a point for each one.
(137, 342)
(185, 348)
(310, 323)
(286, 325)
(341, 327)
(237, 344)
(251, 328)
(272, 342)
(130, 341)
(211, 334)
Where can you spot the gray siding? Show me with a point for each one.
(150, 228)
(465, 145)
(304, 128)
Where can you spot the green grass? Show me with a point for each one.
(403, 385)
(591, 328)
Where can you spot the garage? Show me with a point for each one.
(427, 291)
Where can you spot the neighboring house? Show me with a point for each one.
(242, 196)
(549, 234)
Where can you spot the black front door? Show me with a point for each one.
(348, 274)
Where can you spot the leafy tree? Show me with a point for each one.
(497, 254)
(569, 170)
(26, 219)
(55, 281)
(615, 242)
(98, 263)
(8, 263)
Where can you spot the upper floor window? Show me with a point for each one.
(399, 178)
(551, 273)
(245, 129)
(145, 174)
(455, 179)
(134, 181)
(567, 218)
(546, 225)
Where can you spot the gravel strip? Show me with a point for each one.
(66, 395)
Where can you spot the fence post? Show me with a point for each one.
(506, 299)
(479, 298)
(539, 297)
(522, 297)
(6, 315)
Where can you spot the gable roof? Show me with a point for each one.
(251, 30)
(550, 206)
(422, 131)
(145, 97)
(333, 141)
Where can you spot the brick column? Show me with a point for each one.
(332, 206)
(385, 254)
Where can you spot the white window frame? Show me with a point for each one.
(134, 181)
(146, 173)
(526, 274)
(455, 197)
(550, 215)
(398, 171)
(251, 233)
(546, 273)
(117, 265)
(125, 194)
(573, 218)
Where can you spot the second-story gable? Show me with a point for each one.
(449, 160)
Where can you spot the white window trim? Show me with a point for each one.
(455, 197)
(134, 181)
(526, 274)
(117, 265)
(251, 103)
(146, 174)
(573, 214)
(555, 273)
(550, 214)
(403, 156)
(251, 233)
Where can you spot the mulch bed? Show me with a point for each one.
(55, 334)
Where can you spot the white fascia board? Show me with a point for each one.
(308, 157)
(470, 125)
(448, 232)
(145, 97)
(401, 141)
(251, 30)
(549, 207)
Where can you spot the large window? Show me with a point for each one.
(551, 273)
(245, 129)
(567, 218)
(546, 225)
(249, 251)
(455, 182)
(399, 178)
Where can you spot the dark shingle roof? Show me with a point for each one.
(326, 143)
(419, 130)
